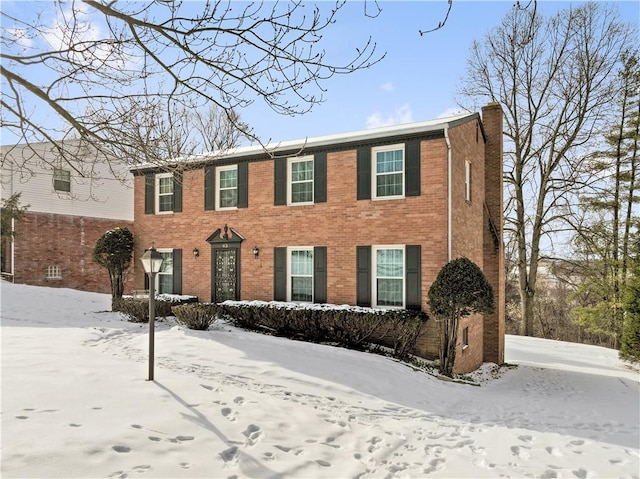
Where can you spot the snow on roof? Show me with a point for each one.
(404, 129)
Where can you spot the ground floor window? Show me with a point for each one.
(301, 274)
(164, 279)
(388, 282)
(53, 272)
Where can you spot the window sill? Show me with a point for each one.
(383, 198)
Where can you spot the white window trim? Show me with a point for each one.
(53, 272)
(157, 276)
(218, 170)
(467, 181)
(157, 193)
(374, 171)
(374, 276)
(290, 249)
(290, 162)
(465, 337)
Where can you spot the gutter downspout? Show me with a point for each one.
(449, 194)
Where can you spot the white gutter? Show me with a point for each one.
(449, 195)
(13, 248)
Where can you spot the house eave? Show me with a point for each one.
(427, 129)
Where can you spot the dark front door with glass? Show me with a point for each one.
(225, 274)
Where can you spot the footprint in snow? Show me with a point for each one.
(230, 455)
(554, 451)
(121, 449)
(227, 412)
(521, 452)
(253, 434)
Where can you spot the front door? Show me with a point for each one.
(225, 274)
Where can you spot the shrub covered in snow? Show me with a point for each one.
(351, 327)
(137, 310)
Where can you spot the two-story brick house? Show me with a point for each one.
(72, 202)
(364, 218)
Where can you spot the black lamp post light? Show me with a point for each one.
(152, 262)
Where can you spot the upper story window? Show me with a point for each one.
(388, 171)
(62, 180)
(164, 192)
(388, 281)
(300, 275)
(467, 180)
(227, 191)
(300, 180)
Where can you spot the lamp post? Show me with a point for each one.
(151, 261)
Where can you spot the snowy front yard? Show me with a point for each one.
(228, 403)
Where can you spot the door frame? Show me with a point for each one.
(221, 240)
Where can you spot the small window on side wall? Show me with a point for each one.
(53, 272)
(465, 338)
(467, 181)
(62, 180)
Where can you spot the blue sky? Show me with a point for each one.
(416, 80)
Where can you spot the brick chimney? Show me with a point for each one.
(493, 245)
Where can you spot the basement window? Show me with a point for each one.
(53, 272)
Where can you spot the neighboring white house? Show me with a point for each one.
(71, 203)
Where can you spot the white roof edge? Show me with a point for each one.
(326, 140)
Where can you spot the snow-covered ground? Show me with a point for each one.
(228, 403)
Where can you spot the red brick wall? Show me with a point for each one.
(494, 324)
(341, 224)
(44, 239)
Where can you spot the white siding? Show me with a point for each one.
(96, 190)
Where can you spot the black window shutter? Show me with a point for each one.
(413, 283)
(320, 178)
(320, 274)
(209, 185)
(177, 192)
(412, 168)
(149, 194)
(177, 271)
(363, 279)
(280, 184)
(279, 274)
(243, 185)
(146, 281)
(364, 173)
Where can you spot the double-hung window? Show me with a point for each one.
(227, 191)
(388, 283)
(388, 168)
(164, 192)
(164, 279)
(300, 274)
(62, 180)
(300, 189)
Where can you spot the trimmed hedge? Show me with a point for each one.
(353, 328)
(195, 316)
(137, 310)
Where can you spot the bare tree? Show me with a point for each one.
(72, 70)
(553, 77)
